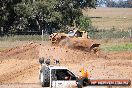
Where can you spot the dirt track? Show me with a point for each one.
(20, 64)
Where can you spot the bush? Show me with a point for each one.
(85, 23)
(107, 34)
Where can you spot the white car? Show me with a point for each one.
(57, 77)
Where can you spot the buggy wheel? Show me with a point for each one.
(42, 79)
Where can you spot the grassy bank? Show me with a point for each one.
(117, 47)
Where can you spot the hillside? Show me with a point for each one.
(107, 18)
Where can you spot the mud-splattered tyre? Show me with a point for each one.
(45, 76)
(79, 83)
(42, 79)
(79, 86)
(83, 82)
(43, 82)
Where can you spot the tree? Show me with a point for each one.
(7, 15)
(129, 3)
(36, 15)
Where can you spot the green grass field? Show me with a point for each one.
(117, 47)
(107, 18)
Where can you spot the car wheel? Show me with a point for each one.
(42, 79)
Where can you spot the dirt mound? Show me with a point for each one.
(65, 55)
(17, 64)
(77, 43)
(18, 50)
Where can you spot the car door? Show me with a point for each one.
(63, 78)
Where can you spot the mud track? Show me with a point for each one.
(19, 67)
(14, 74)
(19, 63)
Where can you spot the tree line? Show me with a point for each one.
(117, 4)
(22, 16)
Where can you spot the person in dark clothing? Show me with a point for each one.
(62, 75)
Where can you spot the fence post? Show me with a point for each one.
(42, 35)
